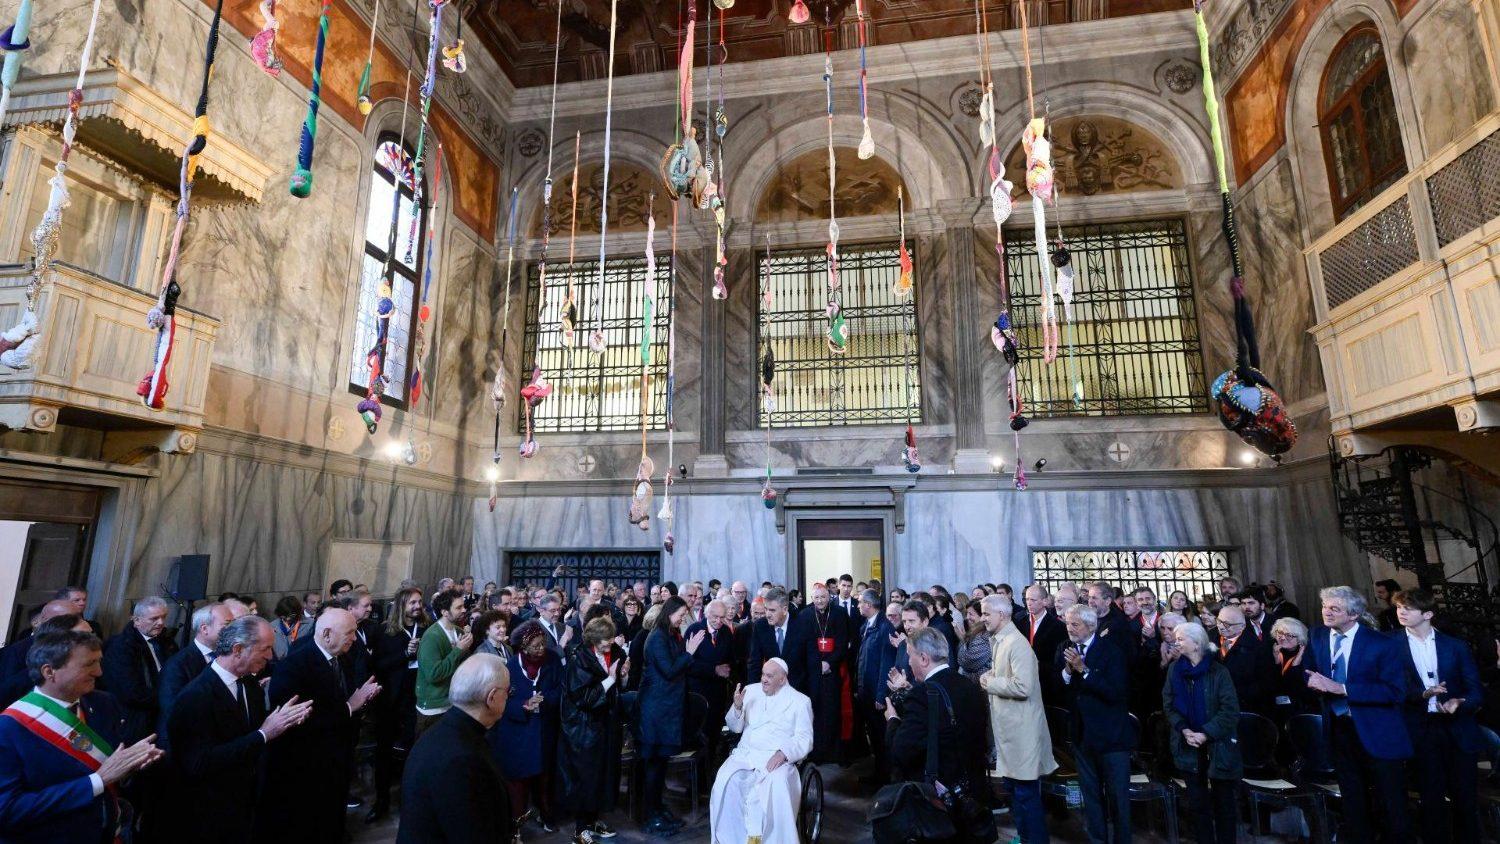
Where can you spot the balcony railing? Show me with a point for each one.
(1407, 292)
(94, 349)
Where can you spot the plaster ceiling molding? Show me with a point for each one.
(1243, 34)
(1179, 76)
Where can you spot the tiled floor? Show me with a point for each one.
(844, 820)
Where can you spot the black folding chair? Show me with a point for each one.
(1145, 788)
(1312, 769)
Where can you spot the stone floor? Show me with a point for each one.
(844, 820)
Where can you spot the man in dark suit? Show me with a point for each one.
(739, 602)
(14, 679)
(1248, 660)
(1097, 688)
(133, 660)
(876, 656)
(189, 662)
(1046, 633)
(451, 790)
(1447, 692)
(1360, 676)
(307, 777)
(827, 648)
(219, 730)
(559, 635)
(1114, 627)
(710, 670)
(778, 635)
(962, 721)
(60, 750)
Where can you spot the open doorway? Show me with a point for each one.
(828, 548)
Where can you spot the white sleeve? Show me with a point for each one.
(797, 745)
(734, 719)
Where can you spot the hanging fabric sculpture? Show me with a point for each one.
(369, 408)
(453, 55)
(18, 344)
(362, 96)
(866, 141)
(263, 45)
(532, 395)
(1039, 183)
(767, 373)
(13, 42)
(596, 336)
(683, 159)
(715, 195)
(1061, 259)
(905, 286)
(1003, 333)
(799, 13)
(163, 318)
(837, 332)
(666, 514)
(543, 300)
(415, 381)
(1248, 404)
(302, 178)
(641, 492)
(567, 319)
(500, 388)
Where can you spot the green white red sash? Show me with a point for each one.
(51, 722)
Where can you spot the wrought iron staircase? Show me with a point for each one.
(1453, 547)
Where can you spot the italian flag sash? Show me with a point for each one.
(59, 727)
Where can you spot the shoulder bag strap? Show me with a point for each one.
(930, 772)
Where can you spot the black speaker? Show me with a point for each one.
(188, 580)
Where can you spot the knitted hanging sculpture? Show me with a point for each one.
(597, 343)
(163, 318)
(362, 96)
(866, 141)
(667, 515)
(18, 344)
(567, 319)
(767, 374)
(263, 45)
(543, 300)
(716, 200)
(683, 158)
(904, 280)
(532, 395)
(909, 453)
(454, 59)
(1248, 404)
(415, 382)
(13, 42)
(837, 332)
(641, 494)
(1039, 183)
(799, 13)
(302, 178)
(536, 394)
(369, 407)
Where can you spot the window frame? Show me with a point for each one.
(1350, 100)
(818, 254)
(394, 266)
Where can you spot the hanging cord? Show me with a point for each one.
(429, 86)
(567, 318)
(641, 491)
(419, 342)
(866, 140)
(362, 96)
(302, 178)
(163, 318)
(906, 286)
(596, 337)
(18, 345)
(767, 372)
(1039, 183)
(838, 341)
(667, 515)
(542, 298)
(14, 41)
(1061, 259)
(718, 128)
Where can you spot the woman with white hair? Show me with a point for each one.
(1290, 686)
(1204, 715)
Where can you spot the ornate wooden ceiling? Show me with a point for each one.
(519, 33)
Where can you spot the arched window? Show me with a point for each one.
(396, 260)
(1357, 114)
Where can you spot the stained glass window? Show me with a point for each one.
(1357, 115)
(392, 259)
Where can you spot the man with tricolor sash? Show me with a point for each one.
(59, 762)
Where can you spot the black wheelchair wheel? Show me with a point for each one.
(810, 815)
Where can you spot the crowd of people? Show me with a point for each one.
(509, 709)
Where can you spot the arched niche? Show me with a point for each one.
(1099, 154)
(798, 190)
(630, 190)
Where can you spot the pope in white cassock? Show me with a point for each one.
(757, 790)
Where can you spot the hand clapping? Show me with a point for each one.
(695, 640)
(286, 716)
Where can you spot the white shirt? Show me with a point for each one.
(150, 650)
(94, 779)
(1424, 654)
(1085, 645)
(936, 669)
(450, 630)
(1334, 650)
(232, 683)
(609, 676)
(208, 653)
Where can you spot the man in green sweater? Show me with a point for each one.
(443, 647)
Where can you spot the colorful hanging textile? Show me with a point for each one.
(567, 319)
(640, 500)
(543, 299)
(767, 373)
(18, 344)
(263, 45)
(720, 125)
(866, 141)
(837, 332)
(1248, 404)
(362, 96)
(906, 286)
(13, 42)
(163, 318)
(666, 514)
(419, 342)
(596, 336)
(369, 408)
(302, 178)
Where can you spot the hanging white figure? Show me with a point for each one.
(757, 791)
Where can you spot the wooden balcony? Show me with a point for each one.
(1407, 292)
(94, 349)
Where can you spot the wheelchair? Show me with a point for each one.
(810, 809)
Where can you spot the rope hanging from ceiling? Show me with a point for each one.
(14, 41)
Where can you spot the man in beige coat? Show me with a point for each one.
(1023, 747)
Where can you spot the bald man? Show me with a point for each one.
(1248, 660)
(307, 776)
(13, 655)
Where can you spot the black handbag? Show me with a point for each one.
(908, 812)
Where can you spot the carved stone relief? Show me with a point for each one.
(1096, 154)
(799, 191)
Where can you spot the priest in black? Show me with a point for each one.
(826, 627)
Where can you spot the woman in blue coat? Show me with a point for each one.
(525, 740)
(663, 697)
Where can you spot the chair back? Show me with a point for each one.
(1060, 726)
(1257, 735)
(1314, 759)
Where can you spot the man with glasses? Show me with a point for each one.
(1247, 659)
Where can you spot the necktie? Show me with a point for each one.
(208, 658)
(155, 655)
(241, 697)
(1340, 705)
(338, 673)
(780, 637)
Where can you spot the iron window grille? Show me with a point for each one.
(392, 174)
(1194, 570)
(876, 381)
(597, 392)
(622, 567)
(1133, 341)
